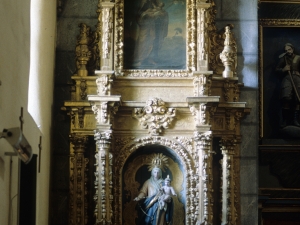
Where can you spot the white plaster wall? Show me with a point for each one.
(14, 79)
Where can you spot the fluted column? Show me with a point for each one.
(78, 177)
(229, 213)
(203, 146)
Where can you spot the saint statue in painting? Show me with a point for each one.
(153, 21)
(289, 67)
(154, 199)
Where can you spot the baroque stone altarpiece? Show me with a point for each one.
(177, 113)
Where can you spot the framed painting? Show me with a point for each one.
(279, 48)
(281, 1)
(155, 34)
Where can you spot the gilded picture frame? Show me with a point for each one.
(280, 1)
(178, 43)
(273, 35)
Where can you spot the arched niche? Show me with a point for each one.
(132, 171)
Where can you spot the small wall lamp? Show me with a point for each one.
(17, 140)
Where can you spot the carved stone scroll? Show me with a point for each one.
(229, 212)
(78, 177)
(155, 116)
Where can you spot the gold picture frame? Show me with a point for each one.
(273, 35)
(189, 29)
(280, 1)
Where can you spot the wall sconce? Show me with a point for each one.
(17, 140)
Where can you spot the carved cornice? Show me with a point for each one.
(155, 116)
(77, 113)
(226, 117)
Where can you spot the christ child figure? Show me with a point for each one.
(167, 192)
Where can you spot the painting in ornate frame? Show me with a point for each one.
(155, 38)
(176, 55)
(274, 34)
(280, 1)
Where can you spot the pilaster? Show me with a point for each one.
(229, 211)
(202, 35)
(78, 177)
(203, 142)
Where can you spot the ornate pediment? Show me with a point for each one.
(155, 116)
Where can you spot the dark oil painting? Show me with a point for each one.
(154, 34)
(277, 125)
